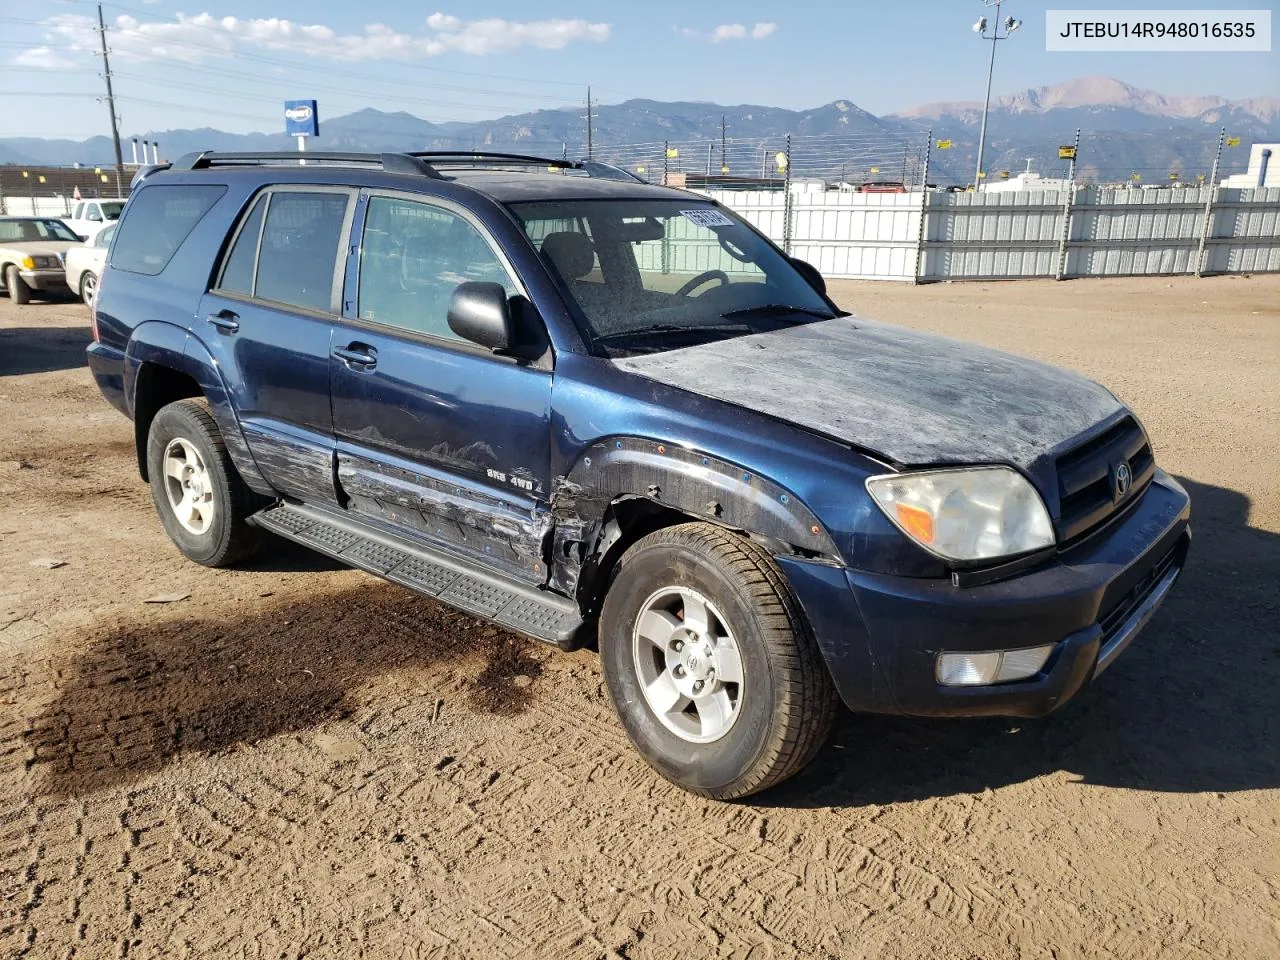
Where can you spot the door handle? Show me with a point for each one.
(225, 320)
(357, 355)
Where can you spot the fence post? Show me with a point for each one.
(1065, 239)
(788, 208)
(1203, 250)
(924, 207)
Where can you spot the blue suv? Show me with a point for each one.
(595, 410)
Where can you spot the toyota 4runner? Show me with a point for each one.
(594, 410)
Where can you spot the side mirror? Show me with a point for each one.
(811, 274)
(479, 312)
(81, 237)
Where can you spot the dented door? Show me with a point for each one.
(436, 436)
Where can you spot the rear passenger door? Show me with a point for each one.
(435, 435)
(267, 323)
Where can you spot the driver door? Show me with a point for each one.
(437, 436)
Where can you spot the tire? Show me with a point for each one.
(19, 291)
(88, 287)
(783, 703)
(202, 501)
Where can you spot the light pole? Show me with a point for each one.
(980, 28)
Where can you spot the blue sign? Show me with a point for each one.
(301, 118)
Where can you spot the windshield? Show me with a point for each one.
(112, 210)
(651, 275)
(30, 230)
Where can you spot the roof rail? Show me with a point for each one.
(485, 156)
(390, 162)
(420, 163)
(592, 168)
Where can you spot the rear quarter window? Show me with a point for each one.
(159, 219)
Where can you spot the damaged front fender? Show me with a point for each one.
(675, 478)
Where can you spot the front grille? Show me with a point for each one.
(1114, 618)
(1085, 492)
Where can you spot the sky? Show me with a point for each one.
(229, 63)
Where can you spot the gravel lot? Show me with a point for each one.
(299, 760)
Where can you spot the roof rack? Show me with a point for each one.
(420, 163)
(390, 162)
(592, 168)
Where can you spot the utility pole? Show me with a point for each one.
(111, 104)
(723, 162)
(589, 138)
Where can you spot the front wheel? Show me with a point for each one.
(19, 290)
(200, 497)
(711, 664)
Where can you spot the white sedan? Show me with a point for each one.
(84, 263)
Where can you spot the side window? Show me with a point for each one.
(412, 257)
(79, 209)
(160, 218)
(103, 239)
(299, 250)
(93, 213)
(237, 269)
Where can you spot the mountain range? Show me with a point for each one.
(1124, 129)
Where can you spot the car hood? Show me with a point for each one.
(912, 398)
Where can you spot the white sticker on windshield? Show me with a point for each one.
(707, 217)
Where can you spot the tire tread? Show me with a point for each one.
(806, 701)
(244, 540)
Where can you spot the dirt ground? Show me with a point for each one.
(300, 760)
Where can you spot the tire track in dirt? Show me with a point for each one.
(174, 782)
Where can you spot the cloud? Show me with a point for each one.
(730, 31)
(195, 39)
(42, 58)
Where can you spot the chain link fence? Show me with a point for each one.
(883, 205)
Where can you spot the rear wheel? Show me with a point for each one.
(19, 291)
(88, 287)
(200, 497)
(711, 664)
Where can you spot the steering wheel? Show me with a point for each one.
(704, 277)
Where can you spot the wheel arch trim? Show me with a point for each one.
(677, 478)
(168, 346)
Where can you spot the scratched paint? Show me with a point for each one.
(910, 397)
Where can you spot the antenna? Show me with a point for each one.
(590, 139)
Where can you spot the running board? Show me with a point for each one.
(537, 613)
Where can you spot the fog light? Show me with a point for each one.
(992, 666)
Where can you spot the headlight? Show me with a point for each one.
(979, 513)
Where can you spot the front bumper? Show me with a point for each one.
(45, 279)
(880, 635)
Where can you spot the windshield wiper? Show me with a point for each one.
(767, 308)
(655, 328)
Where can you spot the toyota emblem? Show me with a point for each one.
(1122, 479)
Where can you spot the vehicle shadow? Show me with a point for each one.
(134, 696)
(1191, 706)
(42, 349)
(284, 556)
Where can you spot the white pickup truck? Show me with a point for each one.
(88, 217)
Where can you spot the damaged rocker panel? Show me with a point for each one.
(462, 518)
